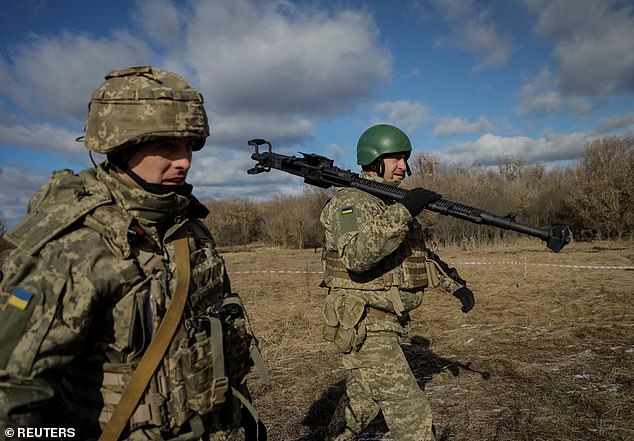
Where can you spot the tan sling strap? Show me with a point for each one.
(254, 349)
(157, 348)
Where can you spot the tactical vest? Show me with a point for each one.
(405, 268)
(212, 350)
(209, 353)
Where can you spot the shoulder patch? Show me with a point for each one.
(348, 219)
(20, 299)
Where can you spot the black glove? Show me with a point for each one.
(466, 297)
(418, 198)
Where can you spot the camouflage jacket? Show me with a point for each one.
(375, 253)
(85, 290)
(373, 238)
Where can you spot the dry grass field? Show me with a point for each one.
(546, 354)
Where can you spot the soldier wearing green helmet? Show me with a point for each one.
(376, 268)
(117, 318)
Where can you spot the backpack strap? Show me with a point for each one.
(254, 349)
(254, 428)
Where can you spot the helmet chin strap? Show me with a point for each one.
(160, 189)
(183, 189)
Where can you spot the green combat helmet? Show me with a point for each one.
(380, 140)
(143, 103)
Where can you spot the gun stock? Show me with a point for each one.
(320, 171)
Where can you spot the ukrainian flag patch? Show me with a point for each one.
(20, 299)
(346, 210)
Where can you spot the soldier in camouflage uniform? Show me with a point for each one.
(376, 268)
(99, 260)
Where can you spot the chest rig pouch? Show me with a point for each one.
(213, 356)
(409, 260)
(405, 268)
(197, 371)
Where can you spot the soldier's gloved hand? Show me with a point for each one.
(418, 198)
(466, 297)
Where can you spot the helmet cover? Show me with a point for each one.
(141, 104)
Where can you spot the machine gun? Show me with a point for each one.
(320, 171)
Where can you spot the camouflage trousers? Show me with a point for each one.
(380, 379)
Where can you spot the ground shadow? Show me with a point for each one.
(424, 364)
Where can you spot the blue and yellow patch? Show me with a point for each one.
(346, 210)
(20, 299)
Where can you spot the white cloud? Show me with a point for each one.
(41, 137)
(473, 31)
(541, 97)
(274, 57)
(53, 77)
(447, 126)
(594, 44)
(235, 130)
(406, 115)
(161, 21)
(489, 148)
(336, 152)
(621, 123)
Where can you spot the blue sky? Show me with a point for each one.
(469, 81)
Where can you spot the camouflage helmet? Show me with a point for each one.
(140, 104)
(380, 140)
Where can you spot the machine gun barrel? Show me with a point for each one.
(320, 171)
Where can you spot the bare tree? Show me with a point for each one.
(234, 221)
(294, 220)
(603, 187)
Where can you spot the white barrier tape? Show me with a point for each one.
(609, 267)
(550, 264)
(276, 272)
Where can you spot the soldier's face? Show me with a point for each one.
(395, 167)
(163, 162)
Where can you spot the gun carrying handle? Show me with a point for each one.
(257, 142)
